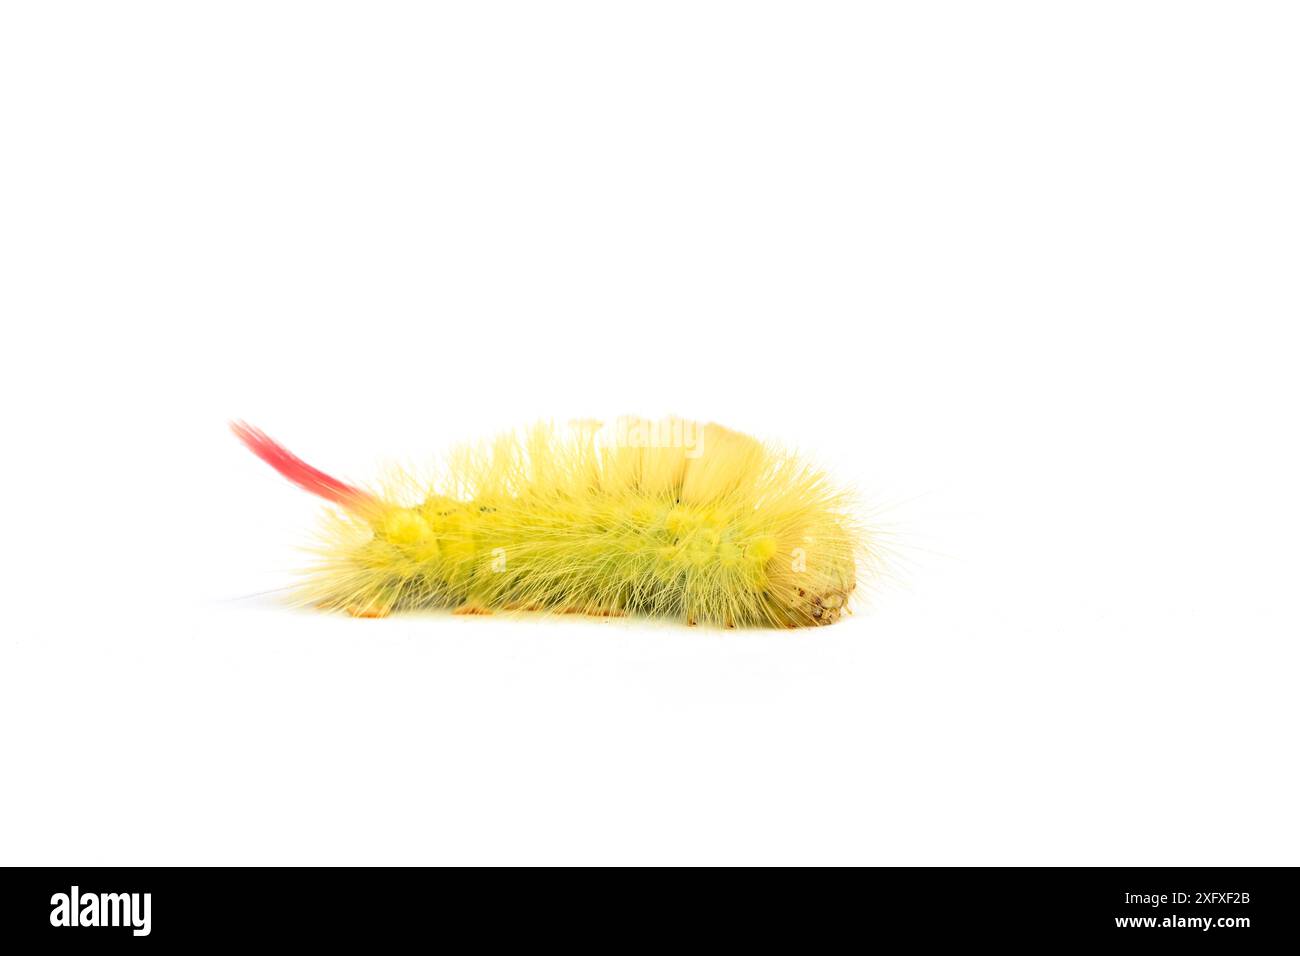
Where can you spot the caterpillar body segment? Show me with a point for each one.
(673, 519)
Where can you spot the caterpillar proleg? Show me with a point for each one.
(669, 519)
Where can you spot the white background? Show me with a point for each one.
(1023, 273)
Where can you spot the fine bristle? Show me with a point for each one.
(667, 519)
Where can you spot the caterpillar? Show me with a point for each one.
(670, 519)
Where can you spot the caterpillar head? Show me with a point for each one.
(808, 559)
(809, 583)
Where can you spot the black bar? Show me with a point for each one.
(374, 907)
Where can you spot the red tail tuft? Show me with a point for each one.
(296, 470)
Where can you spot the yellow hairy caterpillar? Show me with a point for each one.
(670, 519)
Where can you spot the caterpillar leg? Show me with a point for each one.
(472, 607)
(594, 610)
(367, 610)
(524, 606)
(375, 604)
